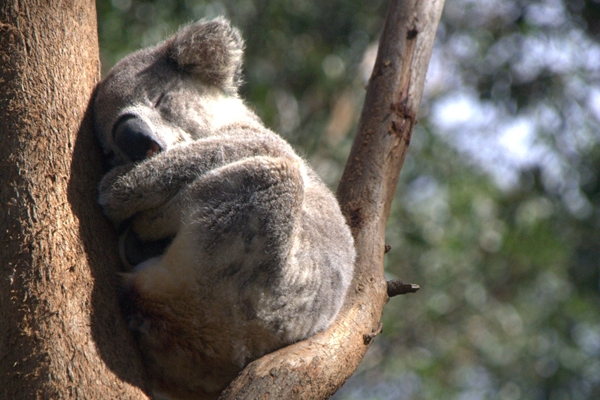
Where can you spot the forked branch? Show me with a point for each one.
(317, 367)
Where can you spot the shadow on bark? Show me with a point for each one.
(114, 341)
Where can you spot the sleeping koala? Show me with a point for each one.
(234, 247)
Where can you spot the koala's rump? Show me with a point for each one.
(208, 302)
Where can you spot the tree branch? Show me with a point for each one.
(317, 367)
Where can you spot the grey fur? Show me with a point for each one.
(255, 252)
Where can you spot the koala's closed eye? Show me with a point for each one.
(135, 138)
(158, 100)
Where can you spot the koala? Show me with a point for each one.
(232, 245)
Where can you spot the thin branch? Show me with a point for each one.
(396, 287)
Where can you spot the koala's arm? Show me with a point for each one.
(128, 190)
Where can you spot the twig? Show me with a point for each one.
(396, 287)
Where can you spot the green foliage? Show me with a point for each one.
(501, 233)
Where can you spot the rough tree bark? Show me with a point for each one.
(61, 335)
(316, 368)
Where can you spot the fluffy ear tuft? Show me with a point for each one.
(211, 49)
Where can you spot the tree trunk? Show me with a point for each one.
(61, 335)
(317, 367)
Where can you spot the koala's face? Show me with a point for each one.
(179, 91)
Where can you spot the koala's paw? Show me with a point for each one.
(113, 196)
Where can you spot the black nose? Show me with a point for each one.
(135, 139)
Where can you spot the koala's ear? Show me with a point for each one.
(212, 50)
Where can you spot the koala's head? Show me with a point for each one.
(176, 92)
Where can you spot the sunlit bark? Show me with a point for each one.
(61, 335)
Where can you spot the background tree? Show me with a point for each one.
(497, 209)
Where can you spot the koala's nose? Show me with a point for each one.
(135, 139)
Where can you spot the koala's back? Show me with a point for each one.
(235, 247)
